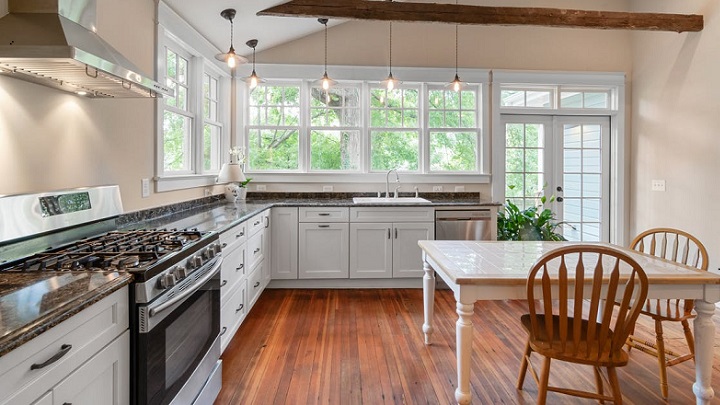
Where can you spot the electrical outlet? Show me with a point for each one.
(327, 188)
(658, 185)
(145, 186)
(437, 188)
(261, 187)
(459, 189)
(208, 192)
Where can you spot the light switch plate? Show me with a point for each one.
(658, 185)
(437, 188)
(327, 188)
(261, 187)
(145, 186)
(459, 189)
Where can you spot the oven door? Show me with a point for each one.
(178, 339)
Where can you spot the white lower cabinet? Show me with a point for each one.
(104, 379)
(284, 243)
(323, 250)
(82, 360)
(387, 250)
(232, 313)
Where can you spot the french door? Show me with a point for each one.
(563, 156)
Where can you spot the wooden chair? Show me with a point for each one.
(678, 246)
(568, 329)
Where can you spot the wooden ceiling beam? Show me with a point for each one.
(484, 15)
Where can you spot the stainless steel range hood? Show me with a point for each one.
(53, 43)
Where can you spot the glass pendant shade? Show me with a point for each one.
(456, 85)
(230, 57)
(253, 80)
(325, 82)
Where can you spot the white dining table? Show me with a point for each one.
(491, 270)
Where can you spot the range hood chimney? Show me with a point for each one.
(53, 43)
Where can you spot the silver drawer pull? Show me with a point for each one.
(256, 284)
(256, 250)
(64, 349)
(240, 267)
(323, 226)
(224, 245)
(256, 223)
(324, 214)
(222, 332)
(224, 283)
(240, 234)
(240, 308)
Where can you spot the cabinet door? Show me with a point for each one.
(407, 256)
(267, 242)
(104, 379)
(371, 247)
(324, 250)
(232, 314)
(284, 246)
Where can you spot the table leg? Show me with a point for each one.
(463, 336)
(704, 336)
(428, 300)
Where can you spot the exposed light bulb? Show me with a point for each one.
(325, 83)
(231, 60)
(456, 85)
(253, 81)
(390, 84)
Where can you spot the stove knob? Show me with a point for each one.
(209, 253)
(181, 272)
(166, 281)
(194, 262)
(217, 248)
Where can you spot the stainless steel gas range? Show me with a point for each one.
(175, 297)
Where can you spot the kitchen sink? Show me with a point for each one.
(385, 200)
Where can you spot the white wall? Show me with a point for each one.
(52, 140)
(675, 126)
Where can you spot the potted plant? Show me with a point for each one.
(532, 223)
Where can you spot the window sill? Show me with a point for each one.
(419, 178)
(181, 182)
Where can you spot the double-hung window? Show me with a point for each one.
(453, 129)
(274, 127)
(335, 125)
(395, 128)
(193, 125)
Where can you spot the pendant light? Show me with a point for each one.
(231, 58)
(325, 81)
(253, 80)
(391, 82)
(456, 84)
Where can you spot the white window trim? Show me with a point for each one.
(374, 74)
(619, 195)
(172, 26)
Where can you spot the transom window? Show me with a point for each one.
(555, 97)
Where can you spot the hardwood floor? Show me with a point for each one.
(366, 347)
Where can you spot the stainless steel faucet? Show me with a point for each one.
(387, 182)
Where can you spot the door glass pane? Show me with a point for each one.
(524, 163)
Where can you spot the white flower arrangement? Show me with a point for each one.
(237, 155)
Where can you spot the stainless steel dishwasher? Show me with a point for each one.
(463, 225)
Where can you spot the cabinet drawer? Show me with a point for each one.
(255, 250)
(233, 270)
(87, 332)
(320, 214)
(232, 313)
(255, 283)
(392, 214)
(256, 223)
(234, 236)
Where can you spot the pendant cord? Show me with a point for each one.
(253, 58)
(390, 47)
(232, 33)
(326, 35)
(456, 45)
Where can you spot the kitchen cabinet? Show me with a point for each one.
(83, 356)
(383, 241)
(323, 243)
(284, 249)
(233, 281)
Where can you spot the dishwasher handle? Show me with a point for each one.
(462, 215)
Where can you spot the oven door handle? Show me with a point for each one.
(198, 284)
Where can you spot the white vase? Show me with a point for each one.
(232, 192)
(242, 193)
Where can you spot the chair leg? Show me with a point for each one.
(544, 378)
(689, 337)
(660, 342)
(599, 382)
(627, 342)
(612, 376)
(524, 366)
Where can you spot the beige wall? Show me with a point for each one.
(53, 140)
(675, 126)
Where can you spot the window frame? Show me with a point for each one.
(364, 78)
(170, 30)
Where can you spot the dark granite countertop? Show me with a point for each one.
(31, 303)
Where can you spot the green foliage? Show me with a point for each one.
(245, 183)
(532, 223)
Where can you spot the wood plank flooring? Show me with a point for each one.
(366, 347)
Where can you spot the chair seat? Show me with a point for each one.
(666, 310)
(582, 355)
